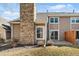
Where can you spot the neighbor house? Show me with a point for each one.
(5, 31)
(51, 27)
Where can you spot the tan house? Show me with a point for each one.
(50, 26)
(5, 30)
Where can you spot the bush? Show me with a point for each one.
(2, 40)
(14, 42)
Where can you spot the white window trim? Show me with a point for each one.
(36, 33)
(75, 20)
(51, 31)
(53, 17)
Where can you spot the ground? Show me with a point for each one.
(41, 51)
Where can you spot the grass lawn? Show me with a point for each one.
(41, 51)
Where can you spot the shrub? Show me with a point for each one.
(2, 40)
(14, 42)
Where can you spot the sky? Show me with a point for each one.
(57, 7)
(11, 11)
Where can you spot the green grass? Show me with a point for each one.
(41, 51)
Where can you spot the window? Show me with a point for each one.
(54, 20)
(54, 35)
(39, 32)
(75, 20)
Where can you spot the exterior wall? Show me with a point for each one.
(40, 26)
(16, 31)
(40, 41)
(64, 25)
(2, 33)
(53, 26)
(27, 23)
(75, 26)
(8, 34)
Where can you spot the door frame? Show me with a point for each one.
(76, 31)
(50, 34)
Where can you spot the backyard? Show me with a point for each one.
(41, 51)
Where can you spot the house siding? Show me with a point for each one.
(53, 26)
(41, 40)
(2, 33)
(64, 25)
(16, 31)
(75, 26)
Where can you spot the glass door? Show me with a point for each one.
(54, 35)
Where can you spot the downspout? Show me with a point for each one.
(34, 22)
(46, 28)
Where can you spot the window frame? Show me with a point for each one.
(54, 20)
(75, 19)
(53, 31)
(42, 32)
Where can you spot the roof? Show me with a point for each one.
(4, 24)
(15, 21)
(6, 27)
(41, 17)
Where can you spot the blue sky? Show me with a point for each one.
(57, 7)
(11, 11)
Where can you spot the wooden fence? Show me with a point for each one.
(70, 36)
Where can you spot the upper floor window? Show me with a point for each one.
(53, 20)
(75, 20)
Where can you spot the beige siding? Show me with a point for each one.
(64, 25)
(40, 26)
(75, 26)
(53, 26)
(2, 33)
(16, 31)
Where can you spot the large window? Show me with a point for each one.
(39, 32)
(53, 20)
(75, 20)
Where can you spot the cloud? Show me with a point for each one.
(9, 15)
(62, 8)
(57, 7)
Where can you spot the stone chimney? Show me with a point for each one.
(27, 23)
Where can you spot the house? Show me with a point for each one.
(49, 26)
(5, 30)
